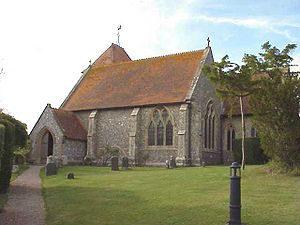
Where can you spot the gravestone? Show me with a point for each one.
(70, 176)
(172, 162)
(125, 163)
(167, 164)
(114, 163)
(51, 169)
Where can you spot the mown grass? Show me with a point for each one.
(156, 196)
(3, 197)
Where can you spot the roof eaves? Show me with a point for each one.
(76, 86)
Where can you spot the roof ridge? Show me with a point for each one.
(150, 58)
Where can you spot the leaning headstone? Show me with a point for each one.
(114, 163)
(51, 169)
(172, 162)
(125, 163)
(70, 176)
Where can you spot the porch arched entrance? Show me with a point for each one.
(46, 145)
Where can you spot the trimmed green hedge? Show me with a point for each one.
(6, 160)
(2, 133)
(253, 151)
(21, 135)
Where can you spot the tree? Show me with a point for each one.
(233, 81)
(275, 105)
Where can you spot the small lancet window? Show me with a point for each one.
(151, 134)
(160, 133)
(169, 133)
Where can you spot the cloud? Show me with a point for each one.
(277, 27)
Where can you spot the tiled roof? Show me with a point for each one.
(159, 80)
(114, 54)
(70, 124)
(236, 110)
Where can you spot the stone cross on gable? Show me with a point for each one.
(208, 41)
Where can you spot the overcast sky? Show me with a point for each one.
(44, 45)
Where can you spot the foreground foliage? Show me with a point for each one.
(13, 134)
(275, 105)
(160, 196)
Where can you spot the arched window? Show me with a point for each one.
(151, 134)
(160, 130)
(230, 138)
(169, 133)
(160, 133)
(253, 132)
(209, 127)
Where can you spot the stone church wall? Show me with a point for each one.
(203, 93)
(235, 123)
(45, 123)
(112, 128)
(156, 155)
(74, 150)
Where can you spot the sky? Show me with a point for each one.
(44, 45)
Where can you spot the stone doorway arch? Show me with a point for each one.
(46, 143)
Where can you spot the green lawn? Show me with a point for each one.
(156, 196)
(3, 197)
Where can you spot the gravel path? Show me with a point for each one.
(25, 204)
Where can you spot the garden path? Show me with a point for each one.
(25, 205)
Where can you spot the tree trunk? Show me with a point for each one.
(243, 133)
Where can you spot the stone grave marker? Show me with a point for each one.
(114, 163)
(51, 169)
(172, 162)
(125, 163)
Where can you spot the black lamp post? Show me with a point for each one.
(235, 194)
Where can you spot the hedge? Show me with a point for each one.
(21, 135)
(253, 151)
(2, 133)
(6, 160)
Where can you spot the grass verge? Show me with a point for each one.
(153, 196)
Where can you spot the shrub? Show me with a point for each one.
(253, 151)
(107, 153)
(6, 160)
(2, 133)
(21, 135)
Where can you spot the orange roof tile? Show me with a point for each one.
(70, 124)
(236, 110)
(114, 54)
(158, 80)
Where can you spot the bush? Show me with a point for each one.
(253, 151)
(2, 133)
(21, 135)
(6, 160)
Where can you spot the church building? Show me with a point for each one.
(150, 109)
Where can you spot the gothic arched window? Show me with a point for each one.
(253, 132)
(151, 134)
(160, 130)
(209, 127)
(230, 138)
(160, 133)
(169, 133)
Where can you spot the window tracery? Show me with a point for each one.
(209, 126)
(160, 129)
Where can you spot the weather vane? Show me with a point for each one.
(119, 28)
(208, 41)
